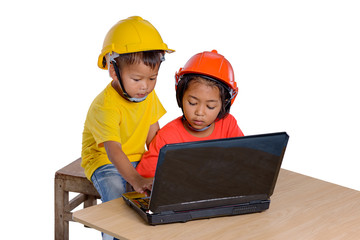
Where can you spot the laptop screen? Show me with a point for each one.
(217, 172)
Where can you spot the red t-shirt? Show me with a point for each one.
(175, 132)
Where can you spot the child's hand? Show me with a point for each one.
(144, 186)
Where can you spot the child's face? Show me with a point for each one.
(138, 79)
(201, 104)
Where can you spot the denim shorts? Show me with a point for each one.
(108, 182)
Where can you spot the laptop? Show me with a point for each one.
(213, 178)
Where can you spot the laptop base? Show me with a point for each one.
(184, 216)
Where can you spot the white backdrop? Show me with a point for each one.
(296, 64)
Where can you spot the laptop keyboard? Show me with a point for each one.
(143, 202)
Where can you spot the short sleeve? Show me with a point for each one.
(233, 128)
(157, 108)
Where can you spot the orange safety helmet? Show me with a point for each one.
(213, 65)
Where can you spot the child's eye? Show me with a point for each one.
(211, 108)
(192, 104)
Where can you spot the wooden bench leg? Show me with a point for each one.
(61, 199)
(90, 201)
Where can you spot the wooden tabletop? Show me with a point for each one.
(301, 208)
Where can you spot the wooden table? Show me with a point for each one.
(301, 208)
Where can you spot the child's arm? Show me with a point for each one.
(151, 134)
(125, 168)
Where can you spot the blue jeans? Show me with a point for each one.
(110, 184)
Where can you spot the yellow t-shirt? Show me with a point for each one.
(113, 118)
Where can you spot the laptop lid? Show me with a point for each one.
(219, 172)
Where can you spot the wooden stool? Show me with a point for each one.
(71, 179)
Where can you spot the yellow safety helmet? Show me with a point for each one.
(133, 34)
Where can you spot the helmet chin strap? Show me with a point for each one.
(136, 100)
(192, 128)
(125, 94)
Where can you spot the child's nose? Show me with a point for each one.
(144, 85)
(199, 110)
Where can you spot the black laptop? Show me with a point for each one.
(214, 178)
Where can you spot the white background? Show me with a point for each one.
(296, 64)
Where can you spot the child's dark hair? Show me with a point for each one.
(223, 90)
(149, 58)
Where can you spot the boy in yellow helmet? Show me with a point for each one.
(124, 116)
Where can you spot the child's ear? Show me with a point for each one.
(112, 72)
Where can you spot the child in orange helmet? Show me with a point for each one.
(205, 90)
(124, 116)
